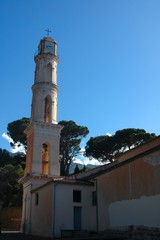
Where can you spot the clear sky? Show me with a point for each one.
(109, 69)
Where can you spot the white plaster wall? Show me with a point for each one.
(64, 207)
(42, 213)
(26, 209)
(144, 211)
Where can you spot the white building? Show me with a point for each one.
(126, 192)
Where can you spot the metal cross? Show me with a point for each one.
(48, 31)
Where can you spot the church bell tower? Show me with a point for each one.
(43, 132)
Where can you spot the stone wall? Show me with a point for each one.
(10, 218)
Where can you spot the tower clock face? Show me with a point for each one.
(49, 46)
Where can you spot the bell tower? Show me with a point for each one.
(43, 132)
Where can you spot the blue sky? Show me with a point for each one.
(109, 69)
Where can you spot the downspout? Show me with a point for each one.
(130, 181)
(97, 222)
(30, 222)
(23, 225)
(53, 210)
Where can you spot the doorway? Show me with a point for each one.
(77, 218)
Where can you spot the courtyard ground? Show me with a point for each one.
(132, 234)
(19, 236)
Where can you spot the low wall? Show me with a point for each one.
(144, 211)
(10, 218)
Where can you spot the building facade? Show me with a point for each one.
(129, 192)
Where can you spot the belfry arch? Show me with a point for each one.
(49, 72)
(47, 109)
(45, 158)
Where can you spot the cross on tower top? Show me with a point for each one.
(48, 31)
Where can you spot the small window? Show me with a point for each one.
(76, 196)
(94, 198)
(36, 198)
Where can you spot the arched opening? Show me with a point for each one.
(45, 158)
(47, 110)
(49, 73)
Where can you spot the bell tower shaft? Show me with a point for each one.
(43, 133)
(45, 89)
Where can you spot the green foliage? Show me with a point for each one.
(16, 131)
(71, 136)
(132, 137)
(10, 190)
(11, 169)
(7, 158)
(104, 148)
(101, 148)
(19, 159)
(76, 170)
(11, 166)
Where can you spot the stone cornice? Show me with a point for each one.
(46, 56)
(41, 84)
(37, 177)
(42, 125)
(24, 179)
